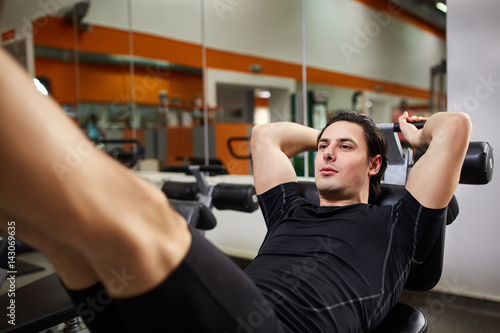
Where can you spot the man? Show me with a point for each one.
(92, 128)
(129, 261)
(341, 266)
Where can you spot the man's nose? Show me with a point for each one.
(328, 155)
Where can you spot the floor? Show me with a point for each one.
(447, 313)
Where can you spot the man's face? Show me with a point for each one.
(342, 166)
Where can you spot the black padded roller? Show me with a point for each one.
(238, 197)
(196, 214)
(180, 190)
(478, 164)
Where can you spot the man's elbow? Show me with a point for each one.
(459, 130)
(462, 125)
(259, 138)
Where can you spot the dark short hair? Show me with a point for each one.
(375, 141)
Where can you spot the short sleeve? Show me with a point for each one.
(423, 223)
(276, 202)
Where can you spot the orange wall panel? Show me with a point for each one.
(62, 79)
(55, 32)
(104, 83)
(343, 80)
(111, 84)
(179, 145)
(174, 51)
(233, 165)
(185, 86)
(139, 135)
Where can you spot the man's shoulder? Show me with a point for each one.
(280, 189)
(282, 197)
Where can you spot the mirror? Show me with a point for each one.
(120, 67)
(382, 42)
(83, 52)
(167, 78)
(248, 73)
(190, 78)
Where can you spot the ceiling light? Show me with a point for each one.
(442, 7)
(263, 93)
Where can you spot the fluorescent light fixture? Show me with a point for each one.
(442, 7)
(263, 93)
(40, 87)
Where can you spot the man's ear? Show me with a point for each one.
(375, 164)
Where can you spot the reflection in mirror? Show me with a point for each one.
(168, 89)
(253, 59)
(368, 56)
(371, 57)
(87, 65)
(133, 66)
(116, 56)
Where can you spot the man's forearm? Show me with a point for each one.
(451, 128)
(290, 138)
(435, 176)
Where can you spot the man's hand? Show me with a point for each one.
(412, 134)
(445, 139)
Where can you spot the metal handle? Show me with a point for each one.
(394, 127)
(419, 125)
(231, 150)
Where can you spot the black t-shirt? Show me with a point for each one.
(338, 269)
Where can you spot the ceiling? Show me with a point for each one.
(425, 10)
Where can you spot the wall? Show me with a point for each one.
(18, 14)
(383, 43)
(349, 43)
(349, 37)
(16, 22)
(472, 256)
(331, 26)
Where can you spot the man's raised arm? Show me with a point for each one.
(445, 139)
(272, 147)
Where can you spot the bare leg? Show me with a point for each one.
(91, 216)
(71, 266)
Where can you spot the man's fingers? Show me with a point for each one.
(416, 118)
(403, 117)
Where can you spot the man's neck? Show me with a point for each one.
(340, 202)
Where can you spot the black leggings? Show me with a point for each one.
(207, 293)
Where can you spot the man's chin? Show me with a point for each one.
(326, 186)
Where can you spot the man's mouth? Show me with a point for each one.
(327, 171)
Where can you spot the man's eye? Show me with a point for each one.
(345, 147)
